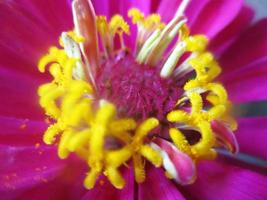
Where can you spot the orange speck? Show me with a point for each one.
(47, 120)
(23, 126)
(37, 145)
(101, 182)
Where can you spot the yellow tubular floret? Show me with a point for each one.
(139, 168)
(118, 25)
(180, 141)
(136, 15)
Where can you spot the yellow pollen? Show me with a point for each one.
(118, 25)
(136, 15)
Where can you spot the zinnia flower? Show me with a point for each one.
(136, 103)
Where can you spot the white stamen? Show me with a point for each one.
(165, 38)
(172, 60)
(182, 7)
(148, 45)
(185, 67)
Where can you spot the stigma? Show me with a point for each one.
(117, 107)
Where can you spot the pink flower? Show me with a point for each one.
(30, 169)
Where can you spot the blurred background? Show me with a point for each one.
(260, 6)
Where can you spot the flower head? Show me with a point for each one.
(140, 99)
(107, 100)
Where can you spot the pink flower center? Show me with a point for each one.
(136, 89)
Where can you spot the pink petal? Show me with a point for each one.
(103, 189)
(27, 166)
(230, 33)
(248, 83)
(216, 16)
(28, 28)
(194, 9)
(252, 136)
(158, 187)
(177, 163)
(21, 132)
(19, 95)
(101, 7)
(85, 24)
(112, 7)
(218, 180)
(225, 135)
(66, 186)
(250, 47)
(167, 9)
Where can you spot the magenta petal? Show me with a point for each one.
(167, 9)
(220, 181)
(176, 163)
(27, 30)
(194, 9)
(27, 166)
(248, 83)
(103, 189)
(248, 48)
(67, 186)
(101, 7)
(225, 135)
(158, 187)
(216, 16)
(230, 33)
(20, 132)
(252, 136)
(112, 7)
(19, 95)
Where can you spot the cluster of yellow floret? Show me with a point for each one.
(82, 123)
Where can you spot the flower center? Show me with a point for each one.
(106, 104)
(137, 90)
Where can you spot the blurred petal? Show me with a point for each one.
(249, 83)
(19, 97)
(218, 180)
(158, 187)
(225, 136)
(167, 9)
(27, 166)
(230, 33)
(249, 48)
(27, 29)
(216, 16)
(252, 136)
(20, 132)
